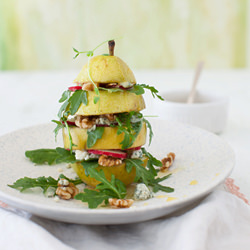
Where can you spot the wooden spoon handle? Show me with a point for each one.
(196, 78)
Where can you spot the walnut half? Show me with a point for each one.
(66, 190)
(109, 161)
(85, 121)
(167, 162)
(120, 203)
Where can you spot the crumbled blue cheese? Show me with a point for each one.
(136, 154)
(142, 192)
(135, 118)
(126, 84)
(83, 155)
(103, 121)
(63, 182)
(92, 128)
(50, 192)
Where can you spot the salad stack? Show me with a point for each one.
(103, 133)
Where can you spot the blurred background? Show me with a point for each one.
(37, 34)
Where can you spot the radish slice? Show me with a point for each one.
(113, 153)
(121, 87)
(69, 123)
(74, 88)
(136, 148)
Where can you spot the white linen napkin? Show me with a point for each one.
(220, 221)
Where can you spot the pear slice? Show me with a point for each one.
(110, 103)
(118, 171)
(105, 69)
(109, 140)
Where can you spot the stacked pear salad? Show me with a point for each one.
(103, 134)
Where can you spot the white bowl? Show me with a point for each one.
(209, 111)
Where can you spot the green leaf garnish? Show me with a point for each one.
(105, 190)
(79, 97)
(142, 174)
(50, 156)
(69, 107)
(94, 135)
(153, 91)
(136, 89)
(43, 182)
(89, 164)
(151, 134)
(89, 53)
(58, 127)
(65, 96)
(156, 186)
(128, 128)
(92, 197)
(146, 176)
(152, 161)
(72, 103)
(118, 191)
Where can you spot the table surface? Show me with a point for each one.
(31, 98)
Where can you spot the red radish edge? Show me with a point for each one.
(69, 123)
(135, 148)
(74, 88)
(121, 87)
(113, 153)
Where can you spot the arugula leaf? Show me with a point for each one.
(112, 90)
(69, 107)
(50, 156)
(63, 109)
(128, 128)
(156, 186)
(43, 182)
(89, 164)
(105, 190)
(71, 144)
(137, 89)
(93, 197)
(105, 184)
(153, 90)
(151, 134)
(72, 103)
(78, 97)
(141, 172)
(58, 127)
(152, 161)
(146, 176)
(94, 135)
(76, 181)
(65, 96)
(26, 183)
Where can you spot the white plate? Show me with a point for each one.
(203, 161)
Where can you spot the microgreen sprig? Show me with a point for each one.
(89, 54)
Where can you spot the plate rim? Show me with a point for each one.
(16, 201)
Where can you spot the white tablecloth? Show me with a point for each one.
(220, 221)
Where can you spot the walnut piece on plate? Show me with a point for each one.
(167, 161)
(120, 203)
(66, 190)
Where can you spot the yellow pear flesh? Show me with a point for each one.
(105, 69)
(111, 103)
(118, 171)
(109, 140)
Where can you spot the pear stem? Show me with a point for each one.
(111, 47)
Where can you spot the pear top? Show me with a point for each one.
(106, 69)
